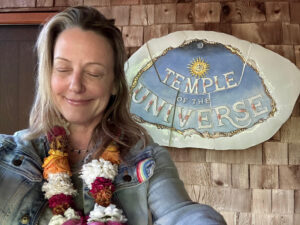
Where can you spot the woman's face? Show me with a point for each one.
(82, 78)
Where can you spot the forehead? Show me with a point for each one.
(85, 45)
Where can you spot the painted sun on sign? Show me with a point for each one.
(201, 93)
(198, 67)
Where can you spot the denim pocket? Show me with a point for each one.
(21, 165)
(13, 190)
(145, 169)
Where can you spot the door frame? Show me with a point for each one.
(25, 18)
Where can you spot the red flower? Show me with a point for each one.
(72, 222)
(56, 131)
(60, 199)
(100, 183)
(115, 223)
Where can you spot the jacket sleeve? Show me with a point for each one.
(169, 201)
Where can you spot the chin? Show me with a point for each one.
(76, 119)
(80, 119)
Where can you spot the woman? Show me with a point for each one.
(80, 115)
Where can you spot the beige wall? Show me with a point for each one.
(260, 185)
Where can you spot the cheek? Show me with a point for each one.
(102, 89)
(56, 85)
(101, 92)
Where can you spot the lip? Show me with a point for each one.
(77, 102)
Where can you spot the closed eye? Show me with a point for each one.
(63, 70)
(94, 74)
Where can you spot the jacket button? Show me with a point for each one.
(25, 219)
(17, 162)
(127, 178)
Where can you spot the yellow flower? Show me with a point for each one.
(112, 154)
(54, 154)
(56, 162)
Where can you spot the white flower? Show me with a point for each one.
(58, 183)
(68, 215)
(71, 214)
(98, 168)
(104, 214)
(57, 220)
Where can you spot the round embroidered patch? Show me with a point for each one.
(144, 169)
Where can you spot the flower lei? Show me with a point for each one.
(97, 174)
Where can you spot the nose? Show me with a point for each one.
(76, 82)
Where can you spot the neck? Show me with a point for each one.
(80, 136)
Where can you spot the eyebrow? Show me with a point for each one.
(89, 63)
(62, 59)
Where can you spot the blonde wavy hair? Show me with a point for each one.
(117, 119)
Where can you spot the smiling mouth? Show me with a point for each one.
(76, 102)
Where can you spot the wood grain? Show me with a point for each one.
(286, 51)
(260, 33)
(44, 3)
(291, 33)
(294, 11)
(297, 55)
(188, 154)
(230, 13)
(243, 218)
(264, 176)
(16, 3)
(240, 175)
(294, 154)
(207, 12)
(164, 13)
(289, 177)
(194, 173)
(133, 36)
(142, 15)
(261, 202)
(297, 201)
(275, 153)
(121, 15)
(272, 219)
(277, 11)
(283, 201)
(251, 155)
(155, 31)
(221, 174)
(185, 13)
(68, 2)
(252, 11)
(290, 131)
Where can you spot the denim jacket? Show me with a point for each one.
(147, 186)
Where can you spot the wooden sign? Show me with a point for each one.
(210, 90)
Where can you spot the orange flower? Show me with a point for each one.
(53, 155)
(112, 154)
(56, 162)
(60, 209)
(103, 197)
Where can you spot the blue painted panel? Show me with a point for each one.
(203, 86)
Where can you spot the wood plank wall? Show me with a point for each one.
(260, 185)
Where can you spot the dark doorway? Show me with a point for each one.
(17, 75)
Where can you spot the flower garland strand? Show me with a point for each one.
(98, 176)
